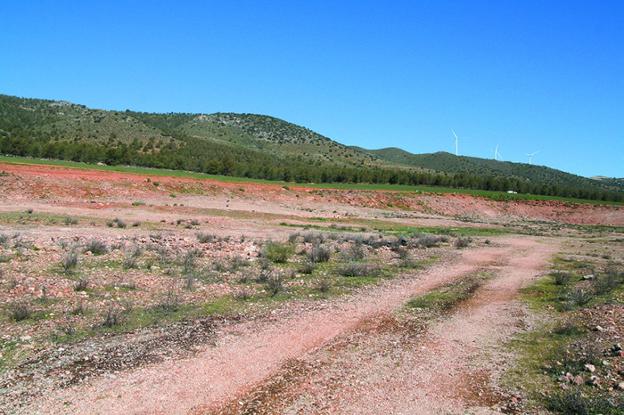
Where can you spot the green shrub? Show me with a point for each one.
(605, 283)
(20, 311)
(81, 285)
(131, 257)
(96, 247)
(561, 277)
(278, 252)
(307, 267)
(70, 261)
(580, 297)
(356, 269)
(355, 252)
(204, 238)
(112, 317)
(462, 242)
(319, 253)
(323, 285)
(189, 260)
(274, 284)
(70, 221)
(243, 294)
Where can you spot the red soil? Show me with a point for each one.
(32, 182)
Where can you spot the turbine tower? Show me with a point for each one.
(530, 155)
(496, 153)
(456, 142)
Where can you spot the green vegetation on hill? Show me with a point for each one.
(522, 177)
(253, 146)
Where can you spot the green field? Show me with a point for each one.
(494, 195)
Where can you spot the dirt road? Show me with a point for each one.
(247, 355)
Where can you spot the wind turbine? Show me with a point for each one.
(530, 155)
(497, 154)
(456, 142)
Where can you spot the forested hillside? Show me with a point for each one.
(525, 174)
(258, 146)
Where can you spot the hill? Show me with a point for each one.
(613, 182)
(258, 146)
(520, 172)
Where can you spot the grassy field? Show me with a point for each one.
(494, 195)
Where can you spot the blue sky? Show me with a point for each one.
(527, 75)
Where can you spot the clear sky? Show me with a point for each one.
(530, 76)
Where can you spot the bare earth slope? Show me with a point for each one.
(245, 355)
(56, 188)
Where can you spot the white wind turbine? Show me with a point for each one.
(497, 154)
(530, 155)
(456, 142)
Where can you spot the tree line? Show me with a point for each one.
(216, 158)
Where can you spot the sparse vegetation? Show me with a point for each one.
(561, 277)
(131, 257)
(278, 252)
(20, 311)
(462, 242)
(323, 285)
(70, 221)
(81, 285)
(96, 247)
(205, 238)
(446, 297)
(112, 317)
(319, 253)
(119, 223)
(275, 284)
(70, 261)
(356, 269)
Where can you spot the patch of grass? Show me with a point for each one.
(544, 294)
(446, 297)
(357, 269)
(398, 229)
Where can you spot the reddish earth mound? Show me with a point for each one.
(46, 182)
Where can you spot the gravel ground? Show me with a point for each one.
(245, 355)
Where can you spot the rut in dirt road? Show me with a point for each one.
(247, 355)
(386, 366)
